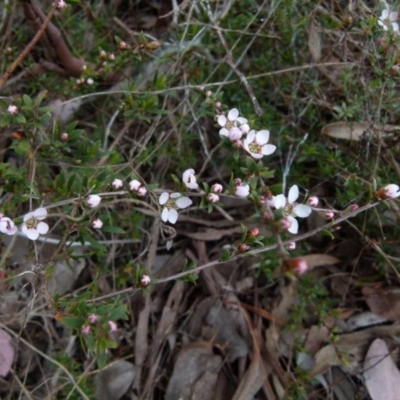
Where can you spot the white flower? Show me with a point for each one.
(142, 191)
(61, 4)
(256, 144)
(242, 190)
(93, 200)
(32, 226)
(171, 203)
(189, 179)
(392, 191)
(233, 126)
(12, 109)
(89, 81)
(145, 281)
(388, 19)
(7, 226)
(117, 184)
(213, 198)
(97, 223)
(134, 185)
(292, 209)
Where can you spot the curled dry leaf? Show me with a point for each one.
(356, 130)
(382, 378)
(383, 302)
(314, 42)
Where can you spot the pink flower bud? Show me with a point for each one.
(354, 207)
(61, 4)
(93, 200)
(218, 104)
(213, 197)
(209, 93)
(97, 223)
(86, 329)
(12, 109)
(217, 188)
(297, 266)
(329, 214)
(234, 134)
(286, 223)
(64, 137)
(242, 190)
(237, 181)
(243, 247)
(122, 45)
(253, 232)
(291, 246)
(111, 57)
(113, 326)
(93, 318)
(102, 54)
(313, 201)
(134, 185)
(142, 191)
(117, 184)
(145, 281)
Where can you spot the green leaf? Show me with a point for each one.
(120, 312)
(73, 322)
(6, 120)
(27, 101)
(40, 98)
(225, 255)
(325, 232)
(112, 229)
(94, 243)
(20, 119)
(101, 360)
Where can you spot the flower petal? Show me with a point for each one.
(262, 137)
(246, 145)
(294, 228)
(172, 216)
(222, 120)
(164, 214)
(280, 201)
(235, 134)
(28, 216)
(241, 120)
(183, 202)
(163, 198)
(32, 234)
(224, 132)
(256, 156)
(251, 136)
(293, 194)
(186, 175)
(233, 114)
(24, 229)
(393, 16)
(268, 149)
(40, 213)
(302, 210)
(385, 13)
(175, 195)
(42, 228)
(395, 26)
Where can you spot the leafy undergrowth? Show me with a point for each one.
(269, 269)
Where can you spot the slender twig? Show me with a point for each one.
(30, 45)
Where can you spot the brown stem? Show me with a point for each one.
(29, 47)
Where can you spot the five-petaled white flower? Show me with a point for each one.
(171, 203)
(388, 19)
(292, 209)
(233, 126)
(33, 226)
(189, 179)
(256, 144)
(7, 226)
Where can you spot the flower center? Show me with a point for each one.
(229, 125)
(255, 148)
(31, 223)
(171, 203)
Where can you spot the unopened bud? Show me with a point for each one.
(313, 201)
(218, 104)
(253, 232)
(329, 214)
(154, 45)
(243, 247)
(64, 137)
(111, 57)
(291, 246)
(122, 45)
(102, 54)
(297, 266)
(209, 93)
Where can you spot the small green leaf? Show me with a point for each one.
(325, 232)
(73, 322)
(112, 229)
(225, 255)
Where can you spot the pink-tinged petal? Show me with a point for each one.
(294, 227)
(246, 145)
(395, 26)
(42, 228)
(241, 120)
(175, 195)
(32, 234)
(224, 132)
(235, 134)
(222, 120)
(245, 128)
(164, 214)
(393, 16)
(134, 185)
(242, 190)
(12, 231)
(186, 175)
(192, 185)
(302, 210)
(280, 201)
(172, 216)
(268, 149)
(385, 14)
(40, 213)
(28, 216)
(183, 202)
(293, 194)
(251, 136)
(262, 137)
(233, 114)
(163, 198)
